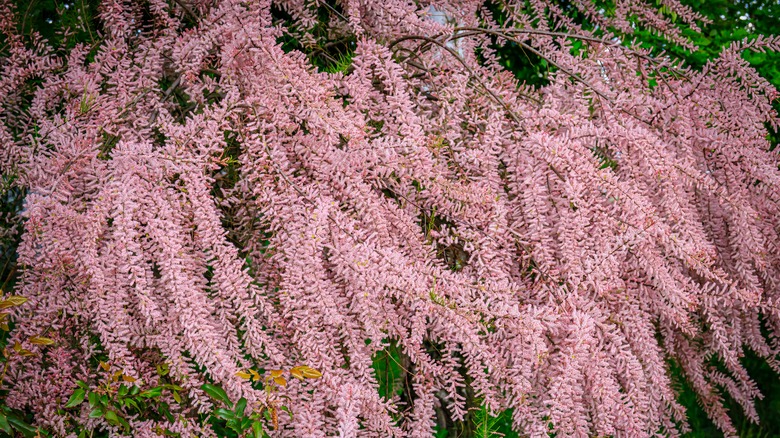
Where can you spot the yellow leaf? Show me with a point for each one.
(281, 381)
(105, 366)
(17, 346)
(309, 372)
(115, 376)
(4, 326)
(296, 372)
(12, 301)
(276, 373)
(40, 340)
(177, 397)
(25, 352)
(244, 375)
(255, 375)
(129, 379)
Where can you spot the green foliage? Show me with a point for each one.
(235, 420)
(116, 403)
(487, 425)
(11, 200)
(389, 372)
(217, 393)
(14, 422)
(767, 408)
(338, 64)
(732, 21)
(50, 18)
(119, 398)
(328, 54)
(528, 67)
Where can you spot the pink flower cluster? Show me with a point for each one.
(201, 197)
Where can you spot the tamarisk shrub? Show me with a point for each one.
(223, 186)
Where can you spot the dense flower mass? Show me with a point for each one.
(223, 186)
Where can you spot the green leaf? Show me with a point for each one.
(653, 83)
(76, 398)
(132, 403)
(240, 406)
(94, 400)
(257, 429)
(125, 424)
(152, 392)
(22, 427)
(112, 418)
(165, 409)
(224, 414)
(232, 424)
(217, 393)
(96, 413)
(755, 58)
(4, 426)
(286, 409)
(123, 390)
(246, 422)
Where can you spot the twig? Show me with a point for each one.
(187, 9)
